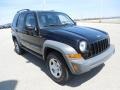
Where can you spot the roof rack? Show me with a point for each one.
(23, 10)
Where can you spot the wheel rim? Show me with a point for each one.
(17, 47)
(55, 68)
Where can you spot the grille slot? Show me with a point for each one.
(97, 48)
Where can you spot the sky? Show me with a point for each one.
(76, 9)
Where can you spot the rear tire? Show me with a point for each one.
(18, 49)
(57, 68)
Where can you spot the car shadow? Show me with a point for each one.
(36, 61)
(75, 81)
(8, 85)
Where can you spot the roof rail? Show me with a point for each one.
(52, 10)
(23, 10)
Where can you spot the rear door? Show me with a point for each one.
(19, 26)
(30, 36)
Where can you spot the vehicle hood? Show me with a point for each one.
(88, 33)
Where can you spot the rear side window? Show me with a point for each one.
(21, 19)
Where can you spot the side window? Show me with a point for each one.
(47, 19)
(51, 18)
(43, 20)
(30, 20)
(14, 23)
(20, 23)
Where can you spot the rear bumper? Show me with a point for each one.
(82, 66)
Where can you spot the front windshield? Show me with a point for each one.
(47, 19)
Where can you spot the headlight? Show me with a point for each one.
(83, 46)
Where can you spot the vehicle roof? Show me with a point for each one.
(46, 11)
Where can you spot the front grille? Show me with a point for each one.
(97, 48)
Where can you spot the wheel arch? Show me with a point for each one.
(61, 48)
(14, 38)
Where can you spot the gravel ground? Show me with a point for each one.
(27, 72)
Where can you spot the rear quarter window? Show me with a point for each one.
(14, 23)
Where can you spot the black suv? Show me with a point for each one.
(65, 47)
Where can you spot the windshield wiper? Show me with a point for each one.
(54, 25)
(51, 25)
(58, 24)
(67, 24)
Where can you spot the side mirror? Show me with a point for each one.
(30, 27)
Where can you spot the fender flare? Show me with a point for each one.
(63, 48)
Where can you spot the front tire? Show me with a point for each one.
(57, 68)
(18, 49)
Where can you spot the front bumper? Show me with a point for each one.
(82, 66)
